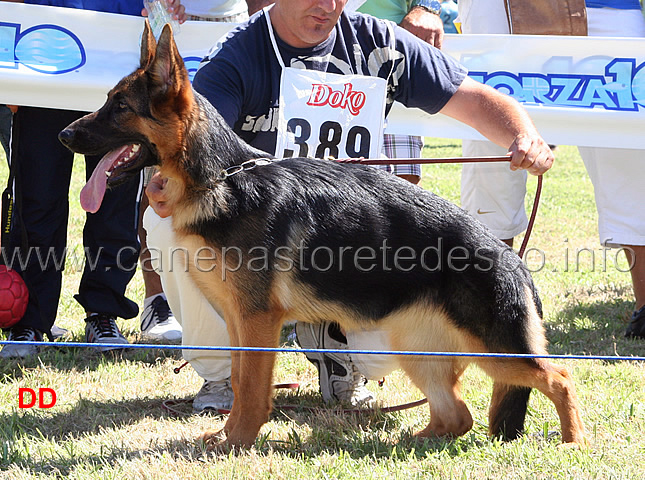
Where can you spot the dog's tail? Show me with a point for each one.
(507, 411)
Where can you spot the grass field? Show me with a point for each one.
(109, 421)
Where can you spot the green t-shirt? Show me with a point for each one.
(393, 10)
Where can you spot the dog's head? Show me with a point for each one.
(142, 123)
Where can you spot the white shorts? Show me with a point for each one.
(617, 174)
(618, 177)
(619, 183)
(492, 192)
(200, 322)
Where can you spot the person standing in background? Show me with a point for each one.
(495, 196)
(39, 230)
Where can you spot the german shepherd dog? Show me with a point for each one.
(344, 243)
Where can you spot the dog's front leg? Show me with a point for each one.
(252, 377)
(216, 439)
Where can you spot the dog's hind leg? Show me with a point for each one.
(553, 381)
(439, 381)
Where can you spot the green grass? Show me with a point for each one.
(109, 421)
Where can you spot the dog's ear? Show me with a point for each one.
(167, 70)
(148, 46)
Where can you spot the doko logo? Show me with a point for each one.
(47, 49)
(347, 98)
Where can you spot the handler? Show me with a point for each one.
(253, 77)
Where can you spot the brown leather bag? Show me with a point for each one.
(547, 17)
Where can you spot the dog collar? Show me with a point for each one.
(244, 166)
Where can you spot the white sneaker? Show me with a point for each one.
(58, 332)
(214, 395)
(158, 323)
(339, 378)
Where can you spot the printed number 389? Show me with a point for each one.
(357, 141)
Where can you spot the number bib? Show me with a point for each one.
(325, 114)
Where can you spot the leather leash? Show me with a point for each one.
(169, 406)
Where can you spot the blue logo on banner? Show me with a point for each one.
(50, 49)
(192, 64)
(622, 87)
(44, 48)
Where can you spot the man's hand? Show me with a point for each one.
(425, 25)
(175, 8)
(157, 195)
(532, 153)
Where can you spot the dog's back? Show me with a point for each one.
(373, 244)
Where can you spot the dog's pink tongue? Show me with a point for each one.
(94, 190)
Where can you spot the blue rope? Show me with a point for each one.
(327, 350)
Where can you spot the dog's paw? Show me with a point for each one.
(214, 441)
(576, 445)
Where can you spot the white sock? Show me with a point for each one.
(148, 301)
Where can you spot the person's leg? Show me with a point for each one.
(636, 258)
(157, 320)
(619, 200)
(492, 193)
(41, 209)
(151, 279)
(200, 322)
(613, 22)
(112, 250)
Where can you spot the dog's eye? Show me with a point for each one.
(122, 105)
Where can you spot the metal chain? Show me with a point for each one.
(243, 167)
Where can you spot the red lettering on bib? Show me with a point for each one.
(322, 95)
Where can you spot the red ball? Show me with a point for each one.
(14, 297)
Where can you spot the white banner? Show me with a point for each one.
(578, 90)
(69, 58)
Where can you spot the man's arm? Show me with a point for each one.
(503, 121)
(425, 25)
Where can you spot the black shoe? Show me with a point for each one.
(636, 328)
(102, 328)
(22, 334)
